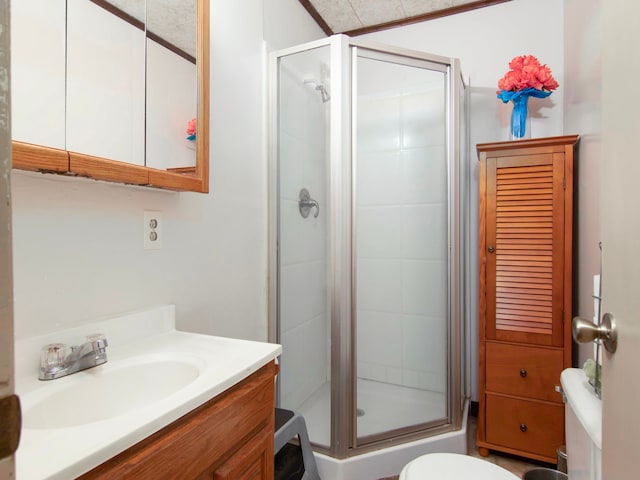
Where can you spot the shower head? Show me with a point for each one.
(324, 94)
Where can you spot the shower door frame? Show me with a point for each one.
(341, 273)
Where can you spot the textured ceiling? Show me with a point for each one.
(361, 16)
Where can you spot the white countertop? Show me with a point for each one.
(63, 453)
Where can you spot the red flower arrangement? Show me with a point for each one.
(526, 78)
(527, 72)
(191, 129)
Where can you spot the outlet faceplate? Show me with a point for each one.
(152, 229)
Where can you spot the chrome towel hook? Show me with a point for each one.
(305, 203)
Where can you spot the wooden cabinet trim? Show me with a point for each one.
(568, 253)
(180, 180)
(36, 158)
(108, 170)
(548, 144)
(482, 300)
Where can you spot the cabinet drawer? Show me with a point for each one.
(526, 425)
(523, 371)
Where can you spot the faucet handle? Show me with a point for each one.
(54, 355)
(98, 340)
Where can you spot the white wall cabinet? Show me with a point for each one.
(95, 94)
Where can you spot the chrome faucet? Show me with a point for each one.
(59, 360)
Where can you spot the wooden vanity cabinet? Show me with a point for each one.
(525, 293)
(228, 438)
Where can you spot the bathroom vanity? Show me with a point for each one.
(228, 438)
(525, 293)
(167, 404)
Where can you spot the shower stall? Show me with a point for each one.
(367, 241)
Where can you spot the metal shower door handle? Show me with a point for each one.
(585, 331)
(306, 203)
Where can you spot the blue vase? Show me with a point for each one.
(520, 126)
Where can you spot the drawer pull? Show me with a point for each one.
(523, 427)
(523, 373)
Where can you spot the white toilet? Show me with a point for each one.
(583, 427)
(453, 466)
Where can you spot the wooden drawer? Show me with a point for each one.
(526, 425)
(523, 371)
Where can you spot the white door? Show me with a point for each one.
(620, 204)
(7, 413)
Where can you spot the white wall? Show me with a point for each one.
(485, 40)
(583, 115)
(78, 244)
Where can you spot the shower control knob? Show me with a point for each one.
(523, 427)
(491, 249)
(523, 373)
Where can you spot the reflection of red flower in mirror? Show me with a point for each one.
(527, 72)
(191, 127)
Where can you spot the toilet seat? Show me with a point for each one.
(453, 466)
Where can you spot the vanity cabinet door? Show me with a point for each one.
(252, 461)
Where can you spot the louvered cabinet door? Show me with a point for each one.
(525, 248)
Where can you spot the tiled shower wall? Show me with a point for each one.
(401, 182)
(304, 330)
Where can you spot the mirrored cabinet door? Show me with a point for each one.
(105, 84)
(38, 74)
(172, 86)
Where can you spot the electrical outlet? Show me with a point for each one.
(152, 229)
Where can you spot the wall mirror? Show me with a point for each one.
(113, 90)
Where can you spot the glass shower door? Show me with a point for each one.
(303, 222)
(400, 198)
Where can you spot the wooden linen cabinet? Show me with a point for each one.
(525, 293)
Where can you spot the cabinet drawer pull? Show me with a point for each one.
(523, 373)
(523, 427)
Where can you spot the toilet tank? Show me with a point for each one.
(583, 426)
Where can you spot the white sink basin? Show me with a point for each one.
(111, 389)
